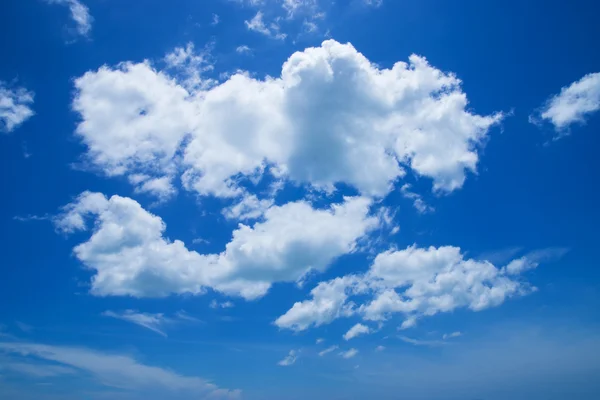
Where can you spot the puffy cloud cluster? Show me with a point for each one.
(331, 117)
(415, 282)
(130, 255)
(15, 107)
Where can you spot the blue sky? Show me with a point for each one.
(291, 198)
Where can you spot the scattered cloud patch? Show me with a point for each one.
(80, 14)
(226, 304)
(574, 104)
(451, 335)
(257, 24)
(290, 359)
(349, 353)
(15, 106)
(328, 350)
(154, 322)
(380, 348)
(417, 199)
(417, 342)
(356, 330)
(243, 49)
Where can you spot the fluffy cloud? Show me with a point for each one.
(573, 104)
(79, 13)
(15, 107)
(357, 330)
(331, 117)
(130, 255)
(116, 371)
(416, 282)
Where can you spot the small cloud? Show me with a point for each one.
(257, 24)
(80, 14)
(226, 304)
(356, 330)
(408, 323)
(451, 335)
(328, 350)
(380, 348)
(289, 359)
(215, 20)
(15, 107)
(243, 49)
(417, 342)
(154, 322)
(320, 340)
(349, 354)
(418, 201)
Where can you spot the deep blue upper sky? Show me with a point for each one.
(495, 276)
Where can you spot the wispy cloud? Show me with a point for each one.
(79, 13)
(257, 24)
(118, 371)
(225, 304)
(328, 350)
(289, 359)
(418, 202)
(349, 354)
(418, 342)
(154, 322)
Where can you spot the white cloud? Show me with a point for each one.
(130, 256)
(215, 20)
(416, 282)
(572, 105)
(329, 301)
(15, 107)
(248, 207)
(320, 340)
(332, 116)
(257, 24)
(356, 330)
(225, 304)
(243, 49)
(417, 199)
(154, 322)
(289, 359)
(328, 350)
(79, 13)
(380, 348)
(349, 354)
(119, 371)
(417, 342)
(451, 335)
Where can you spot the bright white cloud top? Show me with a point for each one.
(331, 117)
(15, 107)
(574, 104)
(131, 256)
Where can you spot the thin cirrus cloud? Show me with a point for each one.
(157, 322)
(290, 359)
(15, 106)
(574, 104)
(112, 370)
